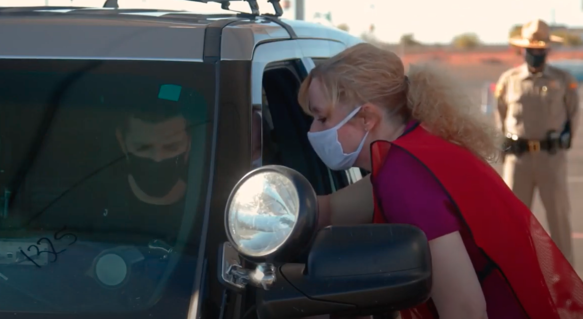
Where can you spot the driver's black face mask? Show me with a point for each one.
(535, 58)
(157, 178)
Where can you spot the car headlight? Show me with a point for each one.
(270, 208)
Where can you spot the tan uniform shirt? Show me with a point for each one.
(529, 106)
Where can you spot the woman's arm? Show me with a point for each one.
(457, 293)
(351, 205)
(411, 194)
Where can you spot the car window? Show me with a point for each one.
(285, 142)
(98, 160)
(317, 61)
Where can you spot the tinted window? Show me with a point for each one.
(286, 142)
(102, 184)
(317, 61)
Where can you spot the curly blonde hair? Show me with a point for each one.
(366, 74)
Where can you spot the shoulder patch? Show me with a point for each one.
(498, 90)
(568, 79)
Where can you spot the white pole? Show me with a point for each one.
(300, 10)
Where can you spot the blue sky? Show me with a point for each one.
(441, 20)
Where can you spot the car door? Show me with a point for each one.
(274, 76)
(277, 70)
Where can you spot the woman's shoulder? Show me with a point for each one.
(409, 193)
(402, 170)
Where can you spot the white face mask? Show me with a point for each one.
(329, 149)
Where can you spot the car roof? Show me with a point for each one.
(141, 34)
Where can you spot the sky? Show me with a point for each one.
(438, 21)
(430, 21)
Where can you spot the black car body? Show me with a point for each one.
(75, 240)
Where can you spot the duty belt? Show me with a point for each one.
(516, 145)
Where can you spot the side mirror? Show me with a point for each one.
(351, 270)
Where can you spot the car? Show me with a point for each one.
(127, 185)
(575, 67)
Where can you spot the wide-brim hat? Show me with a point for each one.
(535, 34)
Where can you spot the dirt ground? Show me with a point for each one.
(477, 67)
(488, 56)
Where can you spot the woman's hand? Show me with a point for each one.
(457, 293)
(324, 211)
(352, 205)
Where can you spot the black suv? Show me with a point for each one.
(126, 139)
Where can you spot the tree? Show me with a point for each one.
(369, 37)
(343, 27)
(570, 39)
(408, 40)
(466, 41)
(328, 16)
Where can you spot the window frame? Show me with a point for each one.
(295, 67)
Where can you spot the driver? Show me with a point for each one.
(155, 138)
(156, 146)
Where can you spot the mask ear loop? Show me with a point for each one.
(348, 117)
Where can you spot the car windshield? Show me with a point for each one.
(102, 186)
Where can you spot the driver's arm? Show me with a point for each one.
(351, 205)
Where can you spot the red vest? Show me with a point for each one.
(501, 225)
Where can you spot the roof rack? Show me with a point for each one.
(252, 5)
(224, 5)
(111, 4)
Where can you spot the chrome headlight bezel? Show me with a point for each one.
(305, 210)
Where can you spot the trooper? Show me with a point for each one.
(538, 112)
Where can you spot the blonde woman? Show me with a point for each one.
(428, 148)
